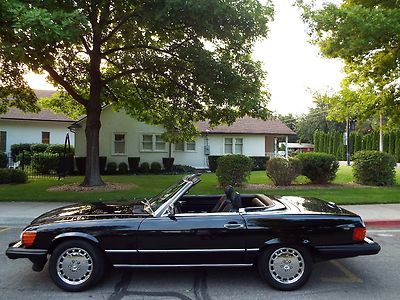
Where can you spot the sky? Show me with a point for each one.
(294, 67)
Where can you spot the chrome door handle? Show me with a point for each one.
(233, 226)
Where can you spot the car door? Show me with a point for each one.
(191, 239)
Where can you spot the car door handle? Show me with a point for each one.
(233, 226)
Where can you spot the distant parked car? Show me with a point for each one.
(281, 236)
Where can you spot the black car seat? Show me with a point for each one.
(225, 200)
(236, 201)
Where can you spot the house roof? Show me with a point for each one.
(42, 115)
(248, 125)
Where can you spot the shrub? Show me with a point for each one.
(25, 158)
(3, 160)
(155, 167)
(19, 148)
(318, 167)
(102, 164)
(112, 168)
(144, 167)
(259, 162)
(59, 149)
(12, 176)
(80, 165)
(38, 148)
(212, 162)
(183, 169)
(123, 168)
(283, 171)
(374, 168)
(133, 164)
(45, 163)
(233, 169)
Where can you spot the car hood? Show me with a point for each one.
(92, 211)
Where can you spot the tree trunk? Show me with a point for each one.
(92, 172)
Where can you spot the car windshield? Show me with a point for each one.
(165, 195)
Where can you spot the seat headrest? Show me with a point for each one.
(229, 191)
(236, 201)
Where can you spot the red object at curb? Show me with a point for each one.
(382, 223)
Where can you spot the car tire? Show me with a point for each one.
(285, 267)
(75, 265)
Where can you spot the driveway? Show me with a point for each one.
(363, 278)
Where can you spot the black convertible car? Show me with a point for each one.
(281, 236)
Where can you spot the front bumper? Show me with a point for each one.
(37, 256)
(367, 247)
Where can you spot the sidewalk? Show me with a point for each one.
(22, 213)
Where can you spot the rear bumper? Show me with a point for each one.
(367, 247)
(37, 256)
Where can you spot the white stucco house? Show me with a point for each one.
(44, 127)
(121, 137)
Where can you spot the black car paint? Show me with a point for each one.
(130, 236)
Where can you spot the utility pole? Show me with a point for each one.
(348, 141)
(380, 133)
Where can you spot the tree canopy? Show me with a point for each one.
(365, 34)
(165, 62)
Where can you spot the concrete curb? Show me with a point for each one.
(382, 223)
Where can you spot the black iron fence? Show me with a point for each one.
(40, 165)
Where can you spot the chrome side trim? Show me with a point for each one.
(253, 249)
(190, 250)
(177, 250)
(181, 266)
(120, 251)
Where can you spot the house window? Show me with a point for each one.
(152, 143)
(233, 145)
(191, 146)
(185, 146)
(119, 143)
(45, 137)
(180, 146)
(3, 141)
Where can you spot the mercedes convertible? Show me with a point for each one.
(280, 236)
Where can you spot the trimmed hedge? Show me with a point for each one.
(12, 176)
(39, 148)
(133, 164)
(283, 171)
(318, 167)
(123, 168)
(81, 164)
(180, 169)
(144, 167)
(233, 169)
(155, 167)
(259, 162)
(112, 168)
(212, 162)
(374, 168)
(3, 160)
(16, 149)
(45, 163)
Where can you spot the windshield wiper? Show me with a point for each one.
(147, 205)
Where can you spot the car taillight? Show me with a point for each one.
(28, 237)
(359, 233)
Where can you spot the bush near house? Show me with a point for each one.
(283, 171)
(144, 168)
(318, 167)
(39, 148)
(112, 168)
(155, 167)
(374, 168)
(17, 149)
(123, 168)
(45, 163)
(3, 160)
(12, 176)
(259, 162)
(59, 149)
(233, 169)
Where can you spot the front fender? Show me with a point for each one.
(75, 234)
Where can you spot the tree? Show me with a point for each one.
(290, 121)
(316, 120)
(364, 34)
(165, 62)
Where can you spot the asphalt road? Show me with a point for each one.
(369, 277)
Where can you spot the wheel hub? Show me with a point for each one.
(286, 265)
(74, 266)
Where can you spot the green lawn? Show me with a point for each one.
(148, 185)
